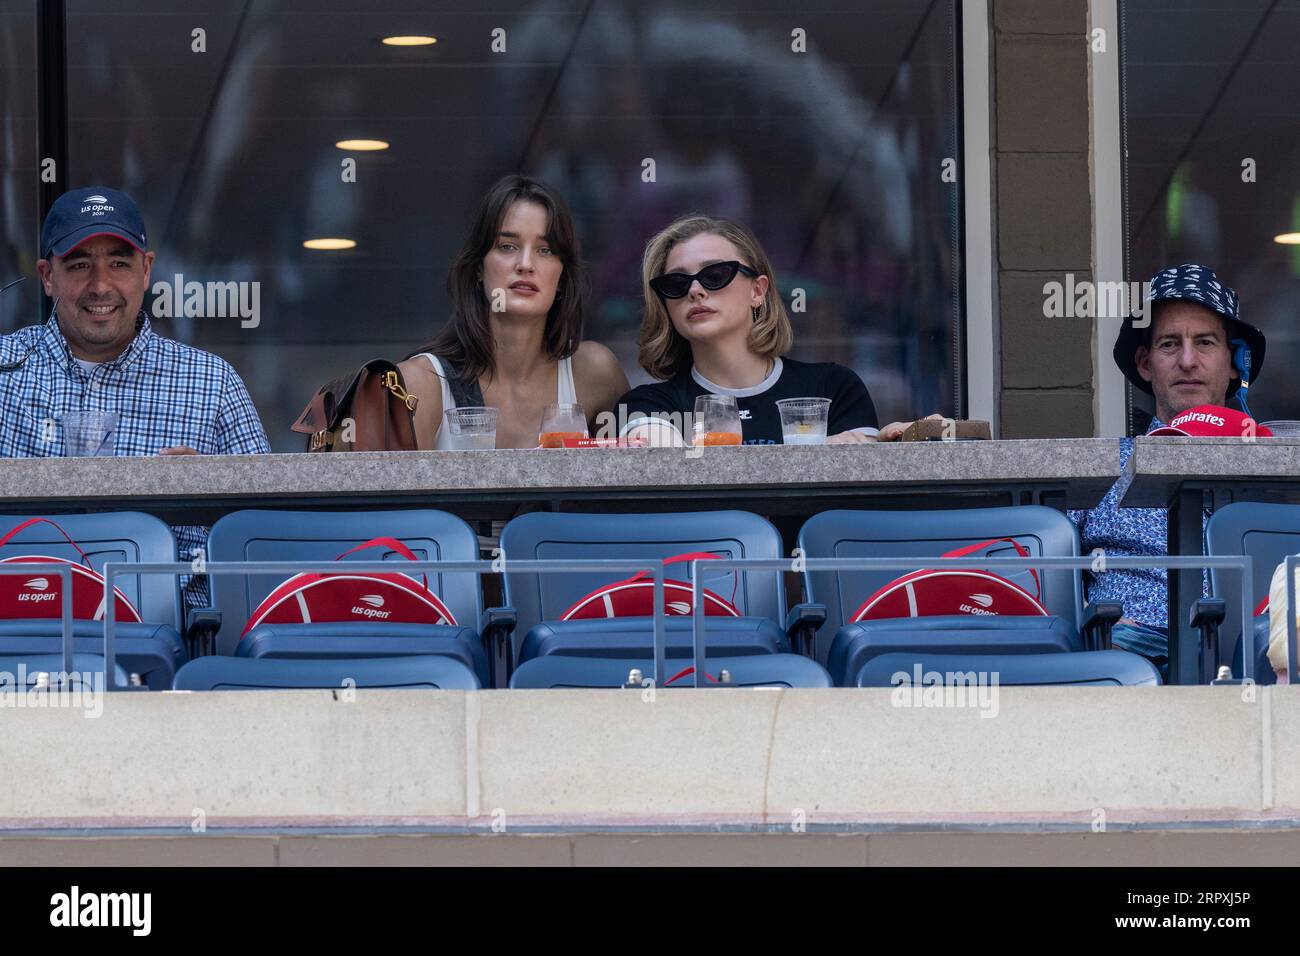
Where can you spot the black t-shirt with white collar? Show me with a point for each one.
(760, 421)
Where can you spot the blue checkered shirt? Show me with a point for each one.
(165, 393)
(1128, 532)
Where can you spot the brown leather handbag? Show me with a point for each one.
(369, 410)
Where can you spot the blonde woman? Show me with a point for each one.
(714, 323)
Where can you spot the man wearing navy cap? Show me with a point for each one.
(98, 352)
(1189, 348)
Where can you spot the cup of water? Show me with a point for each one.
(89, 434)
(803, 420)
(472, 428)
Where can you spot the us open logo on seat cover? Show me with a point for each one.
(373, 602)
(332, 598)
(340, 597)
(41, 587)
(635, 598)
(933, 592)
(42, 597)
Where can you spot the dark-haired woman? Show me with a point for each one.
(514, 341)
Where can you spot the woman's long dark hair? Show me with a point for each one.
(466, 340)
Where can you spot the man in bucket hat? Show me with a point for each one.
(1189, 349)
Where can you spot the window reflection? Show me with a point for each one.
(19, 163)
(831, 155)
(1213, 173)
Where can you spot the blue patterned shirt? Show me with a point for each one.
(1127, 532)
(165, 393)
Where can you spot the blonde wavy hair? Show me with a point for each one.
(664, 353)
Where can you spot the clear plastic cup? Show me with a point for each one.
(561, 421)
(89, 434)
(472, 428)
(803, 420)
(717, 421)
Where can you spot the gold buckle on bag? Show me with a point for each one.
(322, 439)
(402, 395)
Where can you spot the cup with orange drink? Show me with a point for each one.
(717, 421)
(561, 421)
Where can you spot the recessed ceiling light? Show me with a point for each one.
(410, 41)
(1288, 239)
(361, 145)
(330, 244)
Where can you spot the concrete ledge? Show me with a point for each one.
(1088, 467)
(1111, 849)
(1159, 465)
(751, 760)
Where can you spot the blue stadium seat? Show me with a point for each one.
(844, 647)
(323, 536)
(336, 640)
(152, 649)
(540, 600)
(433, 672)
(1266, 532)
(969, 635)
(612, 637)
(30, 666)
(1085, 668)
(557, 671)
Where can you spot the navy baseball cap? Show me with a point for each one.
(82, 214)
(1193, 283)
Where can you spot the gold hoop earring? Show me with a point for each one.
(755, 311)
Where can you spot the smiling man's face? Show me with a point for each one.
(1189, 362)
(99, 286)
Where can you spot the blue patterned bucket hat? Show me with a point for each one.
(1193, 283)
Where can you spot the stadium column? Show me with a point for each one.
(1043, 212)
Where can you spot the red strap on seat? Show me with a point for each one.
(32, 521)
(686, 673)
(1020, 550)
(689, 556)
(1262, 607)
(393, 545)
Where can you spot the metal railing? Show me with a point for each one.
(1242, 563)
(654, 568)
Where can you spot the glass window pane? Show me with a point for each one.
(19, 164)
(832, 154)
(1212, 126)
